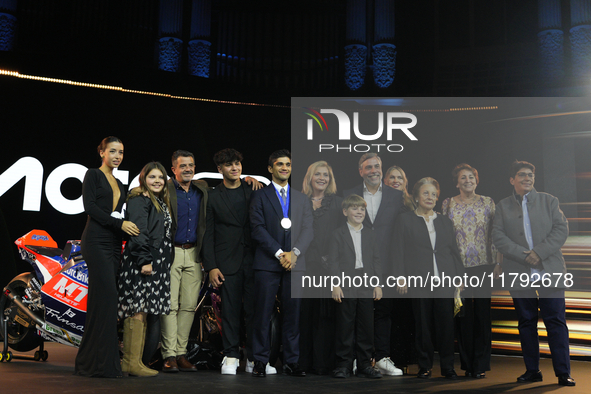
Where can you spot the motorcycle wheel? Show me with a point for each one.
(20, 338)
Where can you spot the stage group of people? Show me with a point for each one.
(252, 240)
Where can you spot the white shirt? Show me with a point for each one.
(356, 235)
(278, 188)
(373, 201)
(432, 237)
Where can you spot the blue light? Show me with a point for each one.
(392, 102)
(7, 29)
(199, 58)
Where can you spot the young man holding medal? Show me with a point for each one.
(281, 223)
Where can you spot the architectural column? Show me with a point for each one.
(550, 40)
(170, 30)
(200, 41)
(580, 37)
(384, 52)
(7, 24)
(356, 50)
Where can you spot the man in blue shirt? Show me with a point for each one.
(529, 229)
(188, 200)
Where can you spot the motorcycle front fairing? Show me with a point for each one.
(58, 290)
(65, 296)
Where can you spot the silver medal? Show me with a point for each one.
(286, 223)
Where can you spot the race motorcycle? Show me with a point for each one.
(47, 304)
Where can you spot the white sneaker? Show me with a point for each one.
(269, 370)
(387, 367)
(249, 366)
(229, 366)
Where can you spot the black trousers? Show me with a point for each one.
(402, 340)
(552, 308)
(237, 293)
(266, 287)
(474, 327)
(434, 324)
(384, 309)
(354, 333)
(317, 333)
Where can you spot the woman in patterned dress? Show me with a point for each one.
(144, 278)
(472, 216)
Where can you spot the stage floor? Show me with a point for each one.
(55, 376)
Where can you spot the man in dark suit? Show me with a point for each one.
(281, 222)
(228, 254)
(529, 229)
(383, 205)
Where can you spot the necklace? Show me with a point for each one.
(317, 199)
(471, 199)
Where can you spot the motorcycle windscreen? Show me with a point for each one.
(65, 297)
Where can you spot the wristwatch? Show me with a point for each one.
(297, 252)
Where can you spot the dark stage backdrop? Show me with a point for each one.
(59, 124)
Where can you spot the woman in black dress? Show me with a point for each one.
(317, 313)
(425, 246)
(144, 277)
(103, 196)
(402, 347)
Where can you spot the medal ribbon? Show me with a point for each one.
(284, 206)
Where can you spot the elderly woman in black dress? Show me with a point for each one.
(103, 196)
(317, 314)
(144, 278)
(425, 246)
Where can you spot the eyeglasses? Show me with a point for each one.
(526, 175)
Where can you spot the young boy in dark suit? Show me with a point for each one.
(354, 254)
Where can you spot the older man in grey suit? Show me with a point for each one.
(529, 229)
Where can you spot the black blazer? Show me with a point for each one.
(144, 248)
(392, 203)
(342, 258)
(226, 236)
(327, 218)
(265, 219)
(414, 253)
